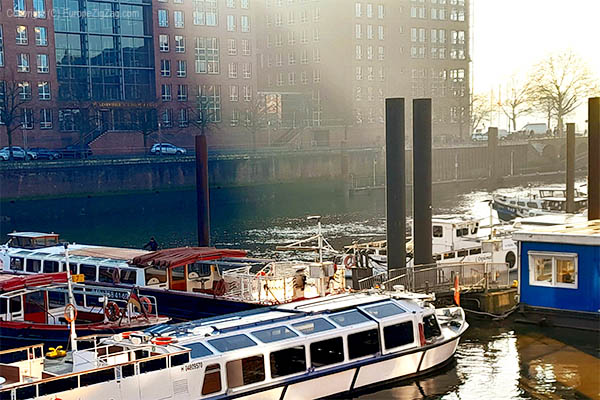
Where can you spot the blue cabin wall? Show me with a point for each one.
(587, 295)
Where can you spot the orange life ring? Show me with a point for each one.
(349, 261)
(162, 340)
(260, 273)
(67, 313)
(112, 311)
(146, 304)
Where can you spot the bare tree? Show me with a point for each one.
(13, 96)
(145, 122)
(517, 101)
(204, 115)
(563, 80)
(257, 116)
(480, 110)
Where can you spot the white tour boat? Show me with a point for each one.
(541, 201)
(303, 350)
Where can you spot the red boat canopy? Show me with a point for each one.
(21, 282)
(184, 255)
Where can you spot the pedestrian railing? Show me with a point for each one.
(439, 278)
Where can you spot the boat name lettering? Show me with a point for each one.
(110, 294)
(191, 367)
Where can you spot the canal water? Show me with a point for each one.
(494, 360)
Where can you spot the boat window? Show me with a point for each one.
(349, 318)
(313, 326)
(32, 265)
(398, 335)
(437, 257)
(449, 255)
(153, 365)
(475, 251)
(51, 266)
(438, 231)
(128, 370)
(128, 276)
(474, 229)
(16, 263)
(97, 377)
(231, 343)
(431, 327)
(88, 271)
(245, 371)
(384, 310)
(363, 343)
(521, 203)
(459, 232)
(542, 269)
(274, 334)
(180, 359)
(288, 361)
(326, 352)
(15, 304)
(57, 299)
(212, 379)
(155, 276)
(198, 350)
(106, 274)
(465, 231)
(198, 270)
(27, 392)
(513, 202)
(35, 306)
(531, 204)
(463, 253)
(59, 385)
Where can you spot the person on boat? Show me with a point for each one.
(152, 245)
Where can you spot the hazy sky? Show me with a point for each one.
(512, 35)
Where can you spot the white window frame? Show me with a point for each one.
(554, 256)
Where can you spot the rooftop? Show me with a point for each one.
(583, 233)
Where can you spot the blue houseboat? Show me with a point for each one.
(559, 275)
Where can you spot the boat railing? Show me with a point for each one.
(439, 278)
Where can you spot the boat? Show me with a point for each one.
(327, 346)
(37, 308)
(540, 201)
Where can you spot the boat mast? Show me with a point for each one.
(73, 336)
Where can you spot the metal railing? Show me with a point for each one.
(439, 278)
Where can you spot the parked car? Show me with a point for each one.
(46, 154)
(18, 154)
(167, 148)
(75, 151)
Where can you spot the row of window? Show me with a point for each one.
(41, 35)
(291, 59)
(23, 63)
(442, 2)
(277, 19)
(358, 32)
(276, 39)
(438, 13)
(436, 36)
(368, 10)
(20, 10)
(370, 73)
(291, 78)
(179, 20)
(244, 4)
(26, 118)
(24, 90)
(360, 92)
(279, 3)
(369, 52)
(438, 53)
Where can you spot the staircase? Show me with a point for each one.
(286, 137)
(90, 137)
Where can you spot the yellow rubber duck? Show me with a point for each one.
(56, 352)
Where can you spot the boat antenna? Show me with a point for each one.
(71, 305)
(319, 235)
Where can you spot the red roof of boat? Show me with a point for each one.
(21, 282)
(184, 255)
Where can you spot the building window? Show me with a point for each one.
(166, 92)
(247, 93)
(359, 74)
(246, 49)
(316, 55)
(317, 14)
(23, 62)
(358, 52)
(41, 36)
(291, 37)
(163, 18)
(291, 18)
(231, 47)
(19, 8)
(278, 40)
(183, 118)
(303, 16)
(291, 58)
(231, 23)
(21, 37)
(1, 47)
(235, 117)
(380, 53)
(247, 70)
(233, 93)
(278, 60)
(45, 118)
(167, 118)
(380, 11)
(165, 67)
(244, 4)
(163, 43)
(316, 76)
(380, 33)
(553, 269)
(178, 19)
(230, 3)
(358, 10)
(280, 79)
(67, 119)
(44, 90)
(304, 78)
(358, 31)
(316, 35)
(291, 78)
(232, 70)
(27, 118)
(369, 52)
(24, 90)
(182, 92)
(245, 23)
(210, 101)
(207, 55)
(370, 32)
(179, 44)
(181, 68)
(304, 57)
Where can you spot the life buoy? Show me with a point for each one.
(349, 261)
(162, 340)
(67, 313)
(112, 311)
(146, 304)
(260, 273)
(126, 335)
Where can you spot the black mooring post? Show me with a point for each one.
(570, 168)
(202, 194)
(395, 183)
(594, 158)
(492, 154)
(422, 181)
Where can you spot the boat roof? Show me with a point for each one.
(33, 235)
(454, 219)
(549, 220)
(584, 233)
(23, 281)
(119, 253)
(184, 255)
